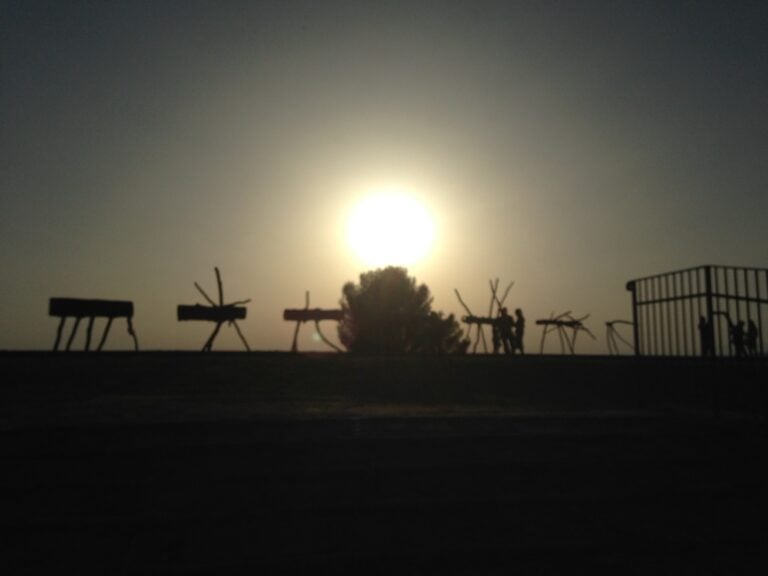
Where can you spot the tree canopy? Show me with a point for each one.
(388, 313)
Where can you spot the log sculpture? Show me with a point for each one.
(561, 324)
(218, 313)
(316, 315)
(480, 321)
(79, 308)
(613, 337)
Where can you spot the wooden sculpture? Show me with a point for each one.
(562, 324)
(79, 308)
(480, 321)
(316, 315)
(218, 313)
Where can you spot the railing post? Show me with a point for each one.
(635, 323)
(708, 300)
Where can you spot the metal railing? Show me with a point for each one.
(701, 311)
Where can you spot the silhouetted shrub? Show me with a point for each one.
(387, 313)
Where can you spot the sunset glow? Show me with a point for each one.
(390, 229)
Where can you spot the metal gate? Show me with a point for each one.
(702, 311)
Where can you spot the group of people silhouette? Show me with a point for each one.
(743, 340)
(508, 332)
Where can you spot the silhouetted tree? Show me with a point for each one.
(387, 313)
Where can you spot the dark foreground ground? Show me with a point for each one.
(230, 464)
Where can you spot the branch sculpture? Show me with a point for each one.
(218, 313)
(562, 323)
(613, 337)
(480, 321)
(79, 308)
(316, 315)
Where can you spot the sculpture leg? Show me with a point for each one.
(209, 343)
(58, 333)
(572, 341)
(89, 333)
(324, 339)
(295, 346)
(104, 336)
(133, 334)
(237, 328)
(74, 331)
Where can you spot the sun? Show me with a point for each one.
(390, 229)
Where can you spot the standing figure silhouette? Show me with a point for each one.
(707, 337)
(505, 325)
(750, 341)
(519, 332)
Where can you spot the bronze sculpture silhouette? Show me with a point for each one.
(561, 324)
(79, 308)
(316, 315)
(218, 313)
(490, 320)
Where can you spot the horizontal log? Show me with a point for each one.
(315, 314)
(209, 313)
(81, 308)
(564, 323)
(478, 320)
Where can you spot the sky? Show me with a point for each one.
(566, 146)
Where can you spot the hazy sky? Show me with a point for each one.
(568, 146)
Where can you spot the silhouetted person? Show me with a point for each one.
(519, 332)
(750, 340)
(495, 336)
(707, 337)
(737, 338)
(505, 325)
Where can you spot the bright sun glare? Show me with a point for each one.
(390, 229)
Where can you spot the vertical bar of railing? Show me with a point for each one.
(686, 327)
(656, 316)
(708, 295)
(664, 281)
(660, 317)
(646, 327)
(649, 317)
(760, 305)
(721, 288)
(728, 306)
(695, 310)
(643, 328)
(697, 306)
(670, 315)
(676, 314)
(736, 294)
(635, 318)
(747, 296)
(708, 318)
(692, 312)
(663, 314)
(648, 288)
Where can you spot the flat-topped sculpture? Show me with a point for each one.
(79, 308)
